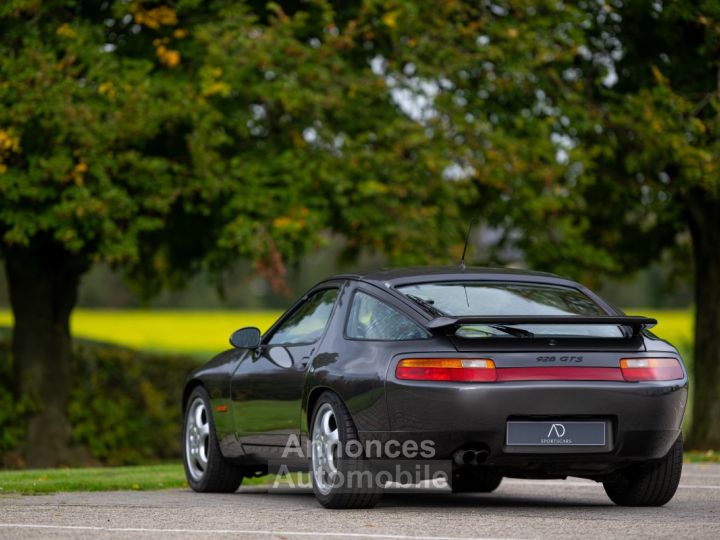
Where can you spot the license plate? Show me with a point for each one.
(555, 434)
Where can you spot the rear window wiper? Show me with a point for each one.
(427, 305)
(512, 330)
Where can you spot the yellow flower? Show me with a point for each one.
(8, 142)
(107, 88)
(164, 15)
(512, 33)
(219, 87)
(169, 57)
(180, 33)
(390, 19)
(156, 17)
(65, 30)
(282, 222)
(78, 173)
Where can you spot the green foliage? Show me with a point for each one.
(13, 412)
(87, 165)
(171, 137)
(168, 138)
(124, 404)
(651, 139)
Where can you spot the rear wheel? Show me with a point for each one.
(206, 469)
(339, 481)
(648, 485)
(475, 480)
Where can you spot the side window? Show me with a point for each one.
(373, 319)
(308, 322)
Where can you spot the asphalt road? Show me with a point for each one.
(518, 509)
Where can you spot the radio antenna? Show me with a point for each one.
(467, 239)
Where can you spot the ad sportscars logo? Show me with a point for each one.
(556, 435)
(558, 430)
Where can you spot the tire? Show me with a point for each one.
(330, 416)
(206, 470)
(475, 480)
(648, 485)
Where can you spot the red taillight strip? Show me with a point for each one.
(651, 369)
(559, 374)
(485, 370)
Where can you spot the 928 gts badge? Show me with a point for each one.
(567, 359)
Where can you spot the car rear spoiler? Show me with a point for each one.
(636, 323)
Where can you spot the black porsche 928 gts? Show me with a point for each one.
(480, 373)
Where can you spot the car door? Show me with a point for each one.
(266, 388)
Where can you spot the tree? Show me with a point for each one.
(651, 144)
(83, 173)
(128, 134)
(636, 120)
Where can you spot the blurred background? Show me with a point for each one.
(172, 171)
(103, 288)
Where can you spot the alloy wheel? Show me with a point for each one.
(197, 439)
(325, 448)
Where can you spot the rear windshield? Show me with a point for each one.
(494, 298)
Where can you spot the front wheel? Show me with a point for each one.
(648, 485)
(206, 469)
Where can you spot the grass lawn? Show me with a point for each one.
(697, 456)
(152, 477)
(139, 478)
(148, 477)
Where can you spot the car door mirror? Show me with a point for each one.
(246, 338)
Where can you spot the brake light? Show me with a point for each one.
(484, 370)
(447, 369)
(651, 369)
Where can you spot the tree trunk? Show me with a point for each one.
(43, 282)
(704, 218)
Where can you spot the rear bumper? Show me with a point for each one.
(644, 419)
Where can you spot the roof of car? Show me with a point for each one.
(400, 276)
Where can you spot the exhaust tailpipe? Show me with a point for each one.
(465, 457)
(481, 456)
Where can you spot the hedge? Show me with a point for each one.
(124, 405)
